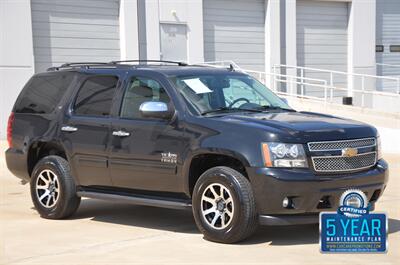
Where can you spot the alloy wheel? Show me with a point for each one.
(47, 188)
(217, 206)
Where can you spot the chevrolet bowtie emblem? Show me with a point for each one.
(349, 152)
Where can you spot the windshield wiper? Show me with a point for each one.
(259, 109)
(271, 107)
(227, 109)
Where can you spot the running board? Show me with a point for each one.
(138, 200)
(288, 219)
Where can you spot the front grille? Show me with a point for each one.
(338, 145)
(342, 164)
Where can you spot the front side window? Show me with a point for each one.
(138, 91)
(95, 96)
(204, 93)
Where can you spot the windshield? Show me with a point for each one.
(207, 93)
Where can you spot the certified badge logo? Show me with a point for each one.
(353, 203)
(353, 228)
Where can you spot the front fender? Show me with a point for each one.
(207, 151)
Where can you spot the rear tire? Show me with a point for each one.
(224, 207)
(53, 189)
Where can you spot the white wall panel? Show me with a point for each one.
(234, 30)
(73, 31)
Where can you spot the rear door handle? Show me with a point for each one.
(69, 129)
(120, 133)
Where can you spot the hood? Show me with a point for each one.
(303, 126)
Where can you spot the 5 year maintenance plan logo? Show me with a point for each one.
(353, 229)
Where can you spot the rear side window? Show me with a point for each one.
(43, 93)
(95, 96)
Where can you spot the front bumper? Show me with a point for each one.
(309, 193)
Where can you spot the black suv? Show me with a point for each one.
(213, 140)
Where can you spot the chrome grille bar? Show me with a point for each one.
(344, 164)
(329, 162)
(339, 145)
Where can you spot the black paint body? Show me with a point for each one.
(100, 160)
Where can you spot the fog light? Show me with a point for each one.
(287, 203)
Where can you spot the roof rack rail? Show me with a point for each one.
(227, 64)
(150, 61)
(109, 64)
(82, 64)
(76, 64)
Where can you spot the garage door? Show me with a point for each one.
(234, 30)
(322, 37)
(388, 35)
(73, 31)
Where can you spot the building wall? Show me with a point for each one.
(188, 13)
(129, 29)
(361, 48)
(387, 35)
(236, 31)
(77, 32)
(16, 54)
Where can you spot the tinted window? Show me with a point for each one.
(379, 48)
(140, 90)
(95, 96)
(394, 48)
(43, 93)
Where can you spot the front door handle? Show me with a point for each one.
(69, 129)
(120, 133)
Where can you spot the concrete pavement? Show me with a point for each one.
(109, 233)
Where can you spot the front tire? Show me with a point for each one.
(224, 206)
(53, 189)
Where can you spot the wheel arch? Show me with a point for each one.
(203, 160)
(40, 148)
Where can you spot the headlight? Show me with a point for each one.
(284, 155)
(378, 147)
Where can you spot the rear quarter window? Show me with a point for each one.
(43, 93)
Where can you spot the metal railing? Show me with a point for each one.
(388, 70)
(292, 81)
(352, 77)
(294, 85)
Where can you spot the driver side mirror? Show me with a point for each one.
(156, 109)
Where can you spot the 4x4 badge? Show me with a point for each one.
(169, 158)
